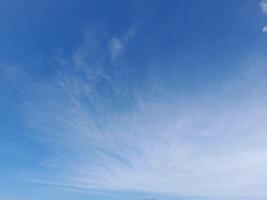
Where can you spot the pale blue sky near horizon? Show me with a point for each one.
(133, 99)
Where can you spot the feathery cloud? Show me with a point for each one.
(202, 147)
(116, 47)
(117, 44)
(263, 5)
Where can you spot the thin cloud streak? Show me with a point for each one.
(117, 44)
(263, 5)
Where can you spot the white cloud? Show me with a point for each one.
(263, 5)
(264, 29)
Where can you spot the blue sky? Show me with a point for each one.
(133, 99)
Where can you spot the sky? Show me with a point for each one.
(133, 100)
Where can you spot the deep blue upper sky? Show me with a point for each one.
(101, 99)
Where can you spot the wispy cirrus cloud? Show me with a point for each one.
(105, 135)
(116, 47)
(263, 5)
(117, 44)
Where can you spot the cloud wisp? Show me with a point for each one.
(116, 44)
(264, 29)
(105, 135)
(263, 5)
